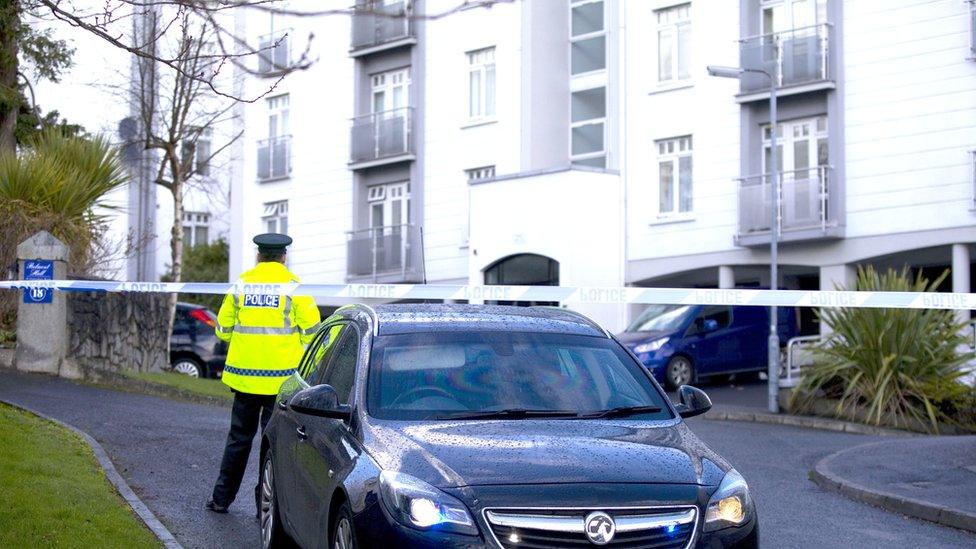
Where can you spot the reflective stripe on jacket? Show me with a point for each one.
(266, 332)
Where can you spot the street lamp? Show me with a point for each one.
(773, 355)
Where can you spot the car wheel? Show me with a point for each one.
(678, 372)
(343, 536)
(272, 532)
(188, 367)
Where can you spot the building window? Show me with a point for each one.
(196, 229)
(197, 150)
(972, 29)
(480, 174)
(481, 84)
(274, 53)
(800, 145)
(674, 43)
(389, 205)
(587, 36)
(588, 115)
(275, 217)
(274, 153)
(674, 175)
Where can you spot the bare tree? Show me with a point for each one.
(178, 113)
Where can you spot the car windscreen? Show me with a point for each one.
(660, 318)
(448, 375)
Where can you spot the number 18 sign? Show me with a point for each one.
(38, 269)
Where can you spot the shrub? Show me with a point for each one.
(895, 366)
(204, 263)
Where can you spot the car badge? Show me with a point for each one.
(600, 528)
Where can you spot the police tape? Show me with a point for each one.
(562, 294)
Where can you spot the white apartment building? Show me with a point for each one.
(581, 142)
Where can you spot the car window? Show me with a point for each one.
(721, 314)
(436, 375)
(319, 352)
(341, 372)
(660, 318)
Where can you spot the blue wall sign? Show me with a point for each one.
(38, 269)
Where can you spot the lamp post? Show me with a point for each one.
(773, 354)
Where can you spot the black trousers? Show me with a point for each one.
(247, 412)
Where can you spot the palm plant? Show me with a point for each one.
(58, 184)
(897, 366)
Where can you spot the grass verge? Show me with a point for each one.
(54, 492)
(211, 388)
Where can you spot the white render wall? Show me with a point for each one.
(910, 95)
(705, 109)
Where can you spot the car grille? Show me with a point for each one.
(658, 528)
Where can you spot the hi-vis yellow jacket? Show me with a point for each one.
(267, 333)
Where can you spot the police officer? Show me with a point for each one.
(267, 334)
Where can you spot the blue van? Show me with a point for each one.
(681, 344)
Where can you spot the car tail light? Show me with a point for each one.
(201, 315)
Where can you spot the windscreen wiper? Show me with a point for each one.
(622, 411)
(509, 413)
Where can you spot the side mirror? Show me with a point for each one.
(693, 401)
(709, 325)
(320, 401)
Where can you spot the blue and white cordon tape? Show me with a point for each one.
(676, 296)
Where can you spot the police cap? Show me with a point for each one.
(272, 242)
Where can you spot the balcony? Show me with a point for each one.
(378, 26)
(804, 207)
(382, 138)
(274, 158)
(385, 255)
(274, 54)
(800, 59)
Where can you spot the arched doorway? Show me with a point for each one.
(523, 270)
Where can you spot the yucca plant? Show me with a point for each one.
(55, 183)
(895, 366)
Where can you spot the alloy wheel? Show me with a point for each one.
(267, 504)
(343, 537)
(679, 371)
(187, 367)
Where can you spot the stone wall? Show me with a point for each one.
(117, 332)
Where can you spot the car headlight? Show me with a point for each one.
(730, 505)
(417, 504)
(650, 346)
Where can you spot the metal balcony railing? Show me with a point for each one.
(803, 200)
(274, 157)
(391, 253)
(375, 23)
(274, 53)
(382, 135)
(798, 56)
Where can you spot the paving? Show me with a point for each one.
(169, 452)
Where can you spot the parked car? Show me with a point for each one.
(485, 426)
(194, 349)
(682, 344)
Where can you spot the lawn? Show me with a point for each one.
(54, 493)
(199, 386)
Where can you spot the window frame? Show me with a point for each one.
(674, 158)
(573, 39)
(277, 215)
(602, 153)
(674, 27)
(268, 45)
(481, 67)
(192, 220)
(348, 327)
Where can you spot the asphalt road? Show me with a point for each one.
(169, 452)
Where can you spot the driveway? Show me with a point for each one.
(169, 452)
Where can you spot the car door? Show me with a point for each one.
(287, 441)
(325, 454)
(714, 350)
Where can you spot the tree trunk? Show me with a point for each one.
(10, 11)
(176, 233)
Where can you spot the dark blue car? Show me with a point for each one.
(461, 426)
(681, 344)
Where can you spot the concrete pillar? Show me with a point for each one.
(42, 328)
(726, 276)
(961, 275)
(833, 277)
